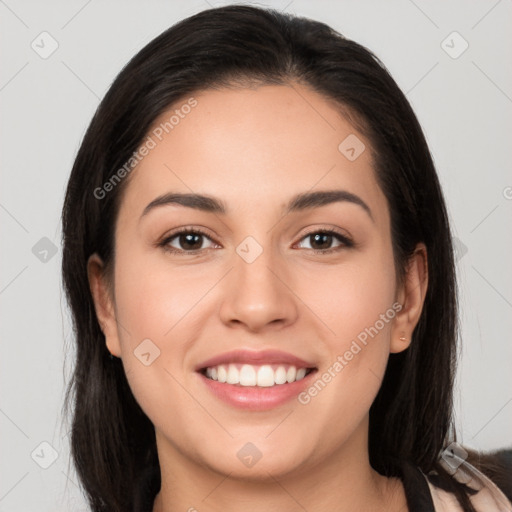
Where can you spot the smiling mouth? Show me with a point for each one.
(249, 375)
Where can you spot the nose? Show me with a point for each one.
(259, 294)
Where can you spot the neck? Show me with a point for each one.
(344, 481)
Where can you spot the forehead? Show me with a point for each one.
(253, 148)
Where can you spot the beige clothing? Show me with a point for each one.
(489, 497)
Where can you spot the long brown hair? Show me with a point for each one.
(411, 417)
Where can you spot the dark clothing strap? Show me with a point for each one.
(417, 491)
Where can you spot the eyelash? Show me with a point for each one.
(347, 243)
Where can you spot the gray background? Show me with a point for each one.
(464, 105)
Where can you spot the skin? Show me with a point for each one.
(254, 149)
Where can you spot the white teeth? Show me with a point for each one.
(265, 376)
(221, 374)
(301, 374)
(291, 374)
(233, 375)
(249, 375)
(280, 375)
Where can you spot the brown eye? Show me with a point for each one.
(190, 241)
(185, 241)
(321, 241)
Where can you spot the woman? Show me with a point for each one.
(259, 263)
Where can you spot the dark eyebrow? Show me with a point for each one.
(325, 197)
(297, 203)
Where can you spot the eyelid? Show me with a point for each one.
(345, 239)
(327, 229)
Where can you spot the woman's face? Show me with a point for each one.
(261, 275)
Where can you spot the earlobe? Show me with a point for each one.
(103, 303)
(412, 297)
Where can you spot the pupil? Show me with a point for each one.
(187, 240)
(322, 236)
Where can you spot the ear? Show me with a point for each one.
(411, 296)
(103, 303)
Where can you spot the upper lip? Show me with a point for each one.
(255, 357)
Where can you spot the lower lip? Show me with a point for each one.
(255, 398)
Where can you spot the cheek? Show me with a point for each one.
(152, 299)
(355, 303)
(351, 296)
(164, 305)
(155, 304)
